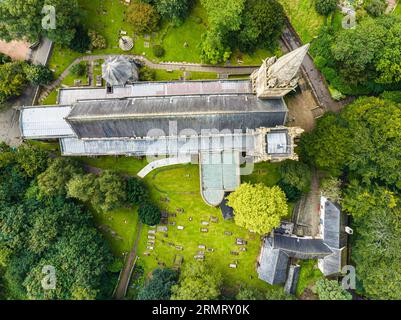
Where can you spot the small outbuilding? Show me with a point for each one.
(117, 71)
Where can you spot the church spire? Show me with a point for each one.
(276, 77)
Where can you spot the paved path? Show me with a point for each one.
(195, 67)
(163, 163)
(312, 74)
(126, 272)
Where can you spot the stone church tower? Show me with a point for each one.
(277, 77)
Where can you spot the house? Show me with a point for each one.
(222, 122)
(330, 248)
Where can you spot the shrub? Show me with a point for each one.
(79, 69)
(331, 290)
(97, 41)
(375, 7)
(149, 214)
(143, 17)
(136, 191)
(158, 50)
(325, 7)
(146, 74)
(81, 41)
(38, 74)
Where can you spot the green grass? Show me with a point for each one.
(69, 80)
(122, 221)
(51, 98)
(180, 43)
(304, 18)
(163, 75)
(308, 275)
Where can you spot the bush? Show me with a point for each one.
(149, 214)
(392, 95)
(146, 74)
(375, 7)
(159, 286)
(79, 69)
(158, 50)
(291, 192)
(331, 290)
(81, 41)
(137, 192)
(97, 41)
(174, 10)
(325, 7)
(38, 74)
(4, 58)
(143, 17)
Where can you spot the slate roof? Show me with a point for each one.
(301, 248)
(273, 263)
(334, 226)
(290, 286)
(137, 116)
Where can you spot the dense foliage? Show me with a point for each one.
(149, 214)
(197, 282)
(174, 10)
(159, 286)
(143, 17)
(38, 230)
(362, 146)
(257, 207)
(326, 7)
(38, 74)
(331, 290)
(22, 19)
(12, 80)
(295, 179)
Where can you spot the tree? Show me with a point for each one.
(146, 74)
(325, 7)
(174, 10)
(375, 7)
(80, 42)
(112, 192)
(97, 41)
(79, 69)
(31, 159)
(296, 174)
(38, 74)
(331, 189)
(158, 50)
(12, 80)
(159, 286)
(54, 180)
(149, 214)
(257, 207)
(4, 58)
(22, 19)
(262, 24)
(197, 282)
(143, 17)
(356, 51)
(331, 290)
(213, 48)
(82, 187)
(137, 192)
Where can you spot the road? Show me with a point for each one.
(312, 74)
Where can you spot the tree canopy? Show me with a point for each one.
(159, 286)
(197, 282)
(331, 290)
(257, 207)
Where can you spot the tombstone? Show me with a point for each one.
(201, 246)
(210, 250)
(240, 241)
(151, 237)
(151, 231)
(163, 221)
(234, 253)
(199, 257)
(180, 210)
(172, 215)
(214, 219)
(146, 253)
(162, 229)
(180, 227)
(171, 244)
(204, 230)
(164, 214)
(180, 248)
(201, 253)
(228, 233)
(242, 249)
(172, 223)
(233, 265)
(151, 242)
(149, 248)
(190, 219)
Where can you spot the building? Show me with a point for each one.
(330, 248)
(225, 123)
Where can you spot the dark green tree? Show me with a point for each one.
(159, 286)
(38, 74)
(174, 10)
(325, 7)
(137, 192)
(149, 214)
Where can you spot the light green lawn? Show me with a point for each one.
(304, 18)
(170, 37)
(51, 98)
(70, 79)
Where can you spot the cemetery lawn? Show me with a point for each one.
(181, 43)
